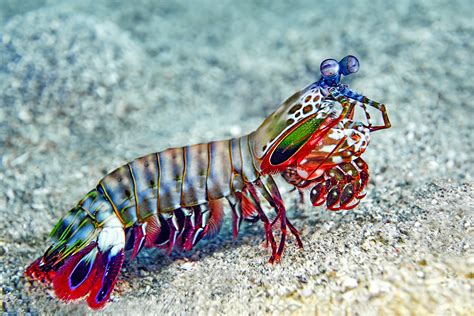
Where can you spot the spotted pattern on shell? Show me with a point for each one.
(308, 104)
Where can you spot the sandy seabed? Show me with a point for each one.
(87, 87)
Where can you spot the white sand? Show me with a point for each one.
(82, 93)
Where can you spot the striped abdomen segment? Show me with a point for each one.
(160, 183)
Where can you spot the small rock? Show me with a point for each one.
(235, 130)
(378, 287)
(24, 115)
(306, 292)
(187, 266)
(349, 284)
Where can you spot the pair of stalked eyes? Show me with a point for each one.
(331, 67)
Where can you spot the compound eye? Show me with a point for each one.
(329, 68)
(349, 65)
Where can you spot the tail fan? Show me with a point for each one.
(108, 271)
(74, 279)
(84, 260)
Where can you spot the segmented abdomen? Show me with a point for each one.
(163, 182)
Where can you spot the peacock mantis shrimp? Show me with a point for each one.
(174, 198)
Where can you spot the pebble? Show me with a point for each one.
(235, 131)
(306, 291)
(378, 287)
(349, 284)
(3, 250)
(187, 265)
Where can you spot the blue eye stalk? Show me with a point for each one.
(330, 86)
(331, 70)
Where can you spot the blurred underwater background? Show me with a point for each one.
(86, 86)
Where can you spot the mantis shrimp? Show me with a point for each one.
(174, 198)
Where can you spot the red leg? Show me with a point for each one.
(271, 193)
(234, 203)
(266, 222)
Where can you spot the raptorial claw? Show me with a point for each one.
(341, 186)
